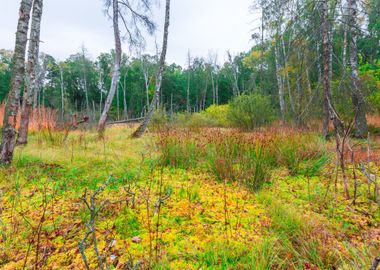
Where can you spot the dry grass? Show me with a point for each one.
(42, 118)
(374, 120)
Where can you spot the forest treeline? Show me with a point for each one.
(309, 59)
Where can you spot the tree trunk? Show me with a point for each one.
(116, 69)
(188, 107)
(344, 49)
(12, 106)
(117, 103)
(213, 87)
(30, 82)
(286, 76)
(86, 94)
(101, 82)
(141, 129)
(62, 95)
(145, 68)
(280, 86)
(361, 127)
(125, 111)
(326, 67)
(217, 90)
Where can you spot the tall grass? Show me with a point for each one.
(245, 157)
(41, 118)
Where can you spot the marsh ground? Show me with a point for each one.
(165, 209)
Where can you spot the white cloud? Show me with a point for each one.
(198, 25)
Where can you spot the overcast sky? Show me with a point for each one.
(198, 25)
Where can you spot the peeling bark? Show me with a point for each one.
(30, 82)
(141, 129)
(12, 106)
(361, 126)
(116, 69)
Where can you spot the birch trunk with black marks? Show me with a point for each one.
(141, 129)
(41, 73)
(361, 126)
(343, 14)
(84, 79)
(116, 69)
(145, 69)
(217, 89)
(188, 108)
(326, 68)
(18, 72)
(280, 85)
(62, 94)
(125, 110)
(30, 81)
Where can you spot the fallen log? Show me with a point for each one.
(128, 121)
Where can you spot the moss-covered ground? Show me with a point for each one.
(161, 217)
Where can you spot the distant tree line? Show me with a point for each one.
(286, 63)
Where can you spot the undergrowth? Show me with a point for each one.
(248, 158)
(180, 201)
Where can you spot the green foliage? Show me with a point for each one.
(199, 120)
(159, 120)
(213, 116)
(218, 114)
(250, 111)
(127, 224)
(371, 88)
(5, 73)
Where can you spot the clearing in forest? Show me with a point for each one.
(210, 199)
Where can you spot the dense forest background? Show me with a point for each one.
(285, 65)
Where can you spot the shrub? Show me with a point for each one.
(200, 120)
(218, 114)
(159, 120)
(371, 87)
(251, 111)
(213, 116)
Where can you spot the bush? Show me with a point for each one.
(199, 120)
(213, 116)
(251, 111)
(371, 88)
(218, 115)
(159, 120)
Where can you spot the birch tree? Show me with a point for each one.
(31, 73)
(85, 77)
(141, 129)
(326, 67)
(62, 91)
(12, 106)
(188, 108)
(280, 84)
(133, 17)
(41, 69)
(234, 74)
(361, 127)
(116, 67)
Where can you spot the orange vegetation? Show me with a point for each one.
(42, 118)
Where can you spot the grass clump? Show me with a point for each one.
(246, 158)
